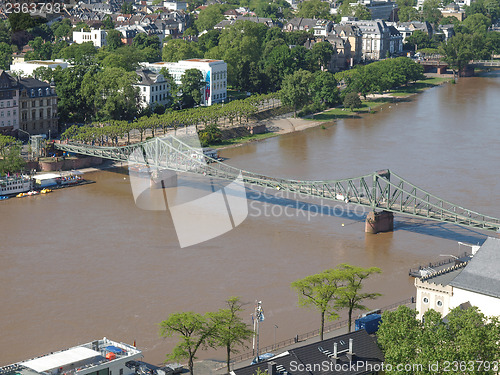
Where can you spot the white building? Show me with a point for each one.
(214, 75)
(175, 5)
(153, 88)
(27, 68)
(98, 37)
(9, 104)
(476, 282)
(103, 357)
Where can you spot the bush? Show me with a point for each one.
(311, 108)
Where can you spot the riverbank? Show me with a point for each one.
(288, 124)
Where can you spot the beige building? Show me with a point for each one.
(476, 282)
(37, 107)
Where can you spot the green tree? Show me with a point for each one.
(324, 88)
(467, 337)
(5, 56)
(107, 23)
(408, 13)
(191, 85)
(321, 54)
(476, 23)
(350, 295)
(314, 9)
(194, 331)
(210, 135)
(231, 332)
(209, 17)
(352, 101)
(431, 12)
(127, 8)
(296, 89)
(42, 50)
(10, 155)
(114, 40)
(179, 49)
(111, 95)
(5, 32)
(457, 51)
(320, 292)
(21, 21)
(72, 104)
(80, 54)
(419, 39)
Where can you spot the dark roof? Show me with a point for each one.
(316, 358)
(32, 83)
(481, 274)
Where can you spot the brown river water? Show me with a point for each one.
(84, 262)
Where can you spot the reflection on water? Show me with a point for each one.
(85, 262)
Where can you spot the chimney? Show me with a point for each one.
(271, 368)
(350, 354)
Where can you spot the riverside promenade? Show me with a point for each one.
(218, 367)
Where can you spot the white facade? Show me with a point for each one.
(489, 306)
(28, 67)
(476, 282)
(9, 103)
(214, 75)
(175, 5)
(98, 37)
(153, 88)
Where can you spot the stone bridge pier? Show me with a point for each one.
(382, 221)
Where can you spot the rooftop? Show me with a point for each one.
(73, 360)
(445, 276)
(481, 274)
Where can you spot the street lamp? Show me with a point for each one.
(275, 327)
(29, 139)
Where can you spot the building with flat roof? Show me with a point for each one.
(214, 75)
(99, 357)
(98, 37)
(27, 68)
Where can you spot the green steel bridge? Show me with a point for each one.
(381, 190)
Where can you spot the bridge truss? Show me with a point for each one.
(382, 190)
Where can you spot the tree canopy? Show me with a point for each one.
(433, 345)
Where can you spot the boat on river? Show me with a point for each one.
(13, 185)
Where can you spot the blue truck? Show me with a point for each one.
(369, 323)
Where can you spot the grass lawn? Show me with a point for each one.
(235, 141)
(234, 94)
(336, 113)
(419, 86)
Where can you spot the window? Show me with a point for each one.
(8, 113)
(425, 300)
(14, 103)
(121, 371)
(41, 113)
(439, 303)
(8, 104)
(1, 114)
(41, 103)
(48, 112)
(23, 105)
